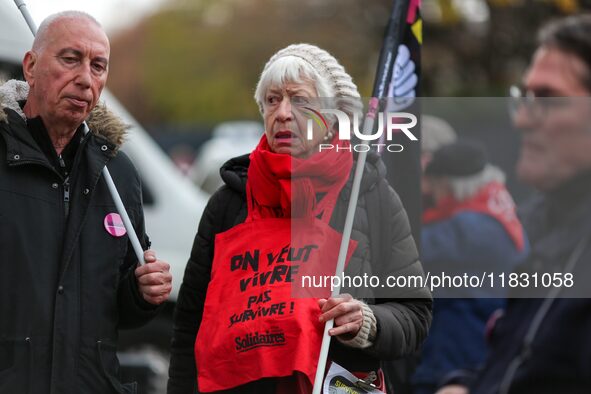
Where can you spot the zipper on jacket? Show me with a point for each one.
(63, 165)
(66, 186)
(67, 196)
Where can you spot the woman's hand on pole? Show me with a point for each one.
(346, 312)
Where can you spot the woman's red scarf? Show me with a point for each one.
(283, 186)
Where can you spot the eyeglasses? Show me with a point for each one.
(536, 104)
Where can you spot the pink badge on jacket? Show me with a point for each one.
(114, 225)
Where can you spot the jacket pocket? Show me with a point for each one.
(16, 358)
(109, 364)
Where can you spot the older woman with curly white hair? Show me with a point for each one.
(239, 328)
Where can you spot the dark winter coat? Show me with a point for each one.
(542, 345)
(402, 324)
(466, 242)
(557, 359)
(66, 285)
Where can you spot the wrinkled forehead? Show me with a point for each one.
(302, 87)
(80, 34)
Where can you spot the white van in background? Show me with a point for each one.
(228, 139)
(172, 205)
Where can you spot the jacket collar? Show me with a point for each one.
(101, 121)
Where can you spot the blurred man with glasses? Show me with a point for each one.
(542, 344)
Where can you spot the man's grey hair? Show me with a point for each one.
(40, 37)
(465, 187)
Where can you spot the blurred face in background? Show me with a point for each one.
(555, 120)
(437, 187)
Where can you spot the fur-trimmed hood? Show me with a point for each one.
(101, 121)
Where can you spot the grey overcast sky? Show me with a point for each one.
(112, 14)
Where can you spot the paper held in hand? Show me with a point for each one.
(340, 381)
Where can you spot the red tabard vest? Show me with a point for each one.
(255, 322)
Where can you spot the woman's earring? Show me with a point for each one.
(328, 136)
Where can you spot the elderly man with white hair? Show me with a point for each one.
(69, 279)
